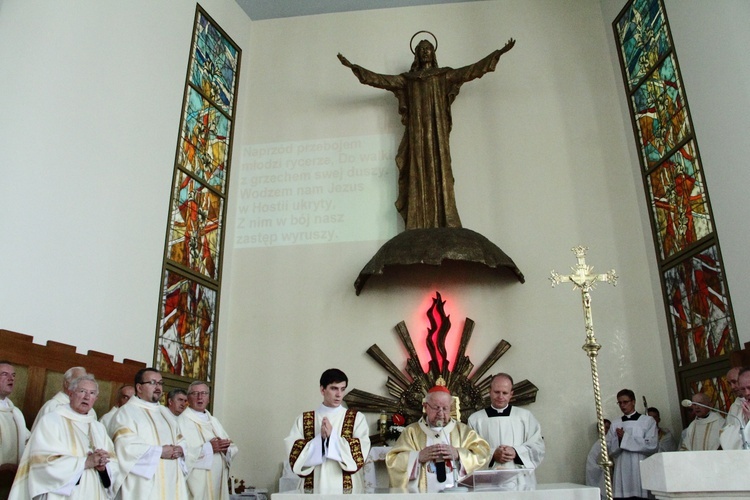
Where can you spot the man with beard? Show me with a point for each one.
(149, 444)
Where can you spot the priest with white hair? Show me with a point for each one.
(69, 454)
(433, 453)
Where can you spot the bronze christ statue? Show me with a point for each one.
(425, 93)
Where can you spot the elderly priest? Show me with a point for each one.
(69, 454)
(432, 453)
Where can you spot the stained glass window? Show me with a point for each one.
(696, 294)
(679, 203)
(699, 308)
(191, 280)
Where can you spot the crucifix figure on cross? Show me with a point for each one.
(584, 278)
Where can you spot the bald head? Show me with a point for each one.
(703, 399)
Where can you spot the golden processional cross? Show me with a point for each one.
(584, 278)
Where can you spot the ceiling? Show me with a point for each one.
(258, 10)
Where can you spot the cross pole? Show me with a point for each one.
(583, 278)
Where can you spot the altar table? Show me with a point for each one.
(556, 491)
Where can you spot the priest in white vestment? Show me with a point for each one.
(327, 447)
(734, 435)
(514, 435)
(434, 453)
(69, 454)
(149, 445)
(62, 398)
(13, 432)
(630, 439)
(209, 476)
(124, 393)
(703, 432)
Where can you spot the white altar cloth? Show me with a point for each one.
(556, 491)
(697, 474)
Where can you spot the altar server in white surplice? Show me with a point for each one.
(149, 445)
(630, 439)
(124, 393)
(328, 447)
(13, 432)
(209, 476)
(514, 435)
(62, 398)
(703, 432)
(69, 454)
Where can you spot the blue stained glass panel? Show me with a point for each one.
(214, 65)
(643, 38)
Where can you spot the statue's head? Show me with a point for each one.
(424, 56)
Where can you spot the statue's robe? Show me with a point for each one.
(426, 197)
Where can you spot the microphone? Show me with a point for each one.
(455, 465)
(440, 463)
(745, 446)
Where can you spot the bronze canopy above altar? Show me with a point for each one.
(433, 246)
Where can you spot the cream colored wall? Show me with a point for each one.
(541, 164)
(543, 161)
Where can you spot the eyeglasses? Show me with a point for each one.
(201, 393)
(153, 382)
(438, 409)
(624, 402)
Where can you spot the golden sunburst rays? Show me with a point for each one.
(407, 388)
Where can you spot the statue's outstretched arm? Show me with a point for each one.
(509, 45)
(367, 77)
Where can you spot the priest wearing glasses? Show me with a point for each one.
(630, 439)
(431, 454)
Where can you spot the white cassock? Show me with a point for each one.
(334, 466)
(516, 427)
(59, 399)
(641, 439)
(140, 429)
(703, 433)
(730, 437)
(406, 472)
(13, 437)
(13, 433)
(106, 419)
(53, 465)
(594, 471)
(209, 476)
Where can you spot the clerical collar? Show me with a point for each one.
(632, 417)
(494, 412)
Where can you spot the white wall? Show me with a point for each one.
(541, 164)
(543, 160)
